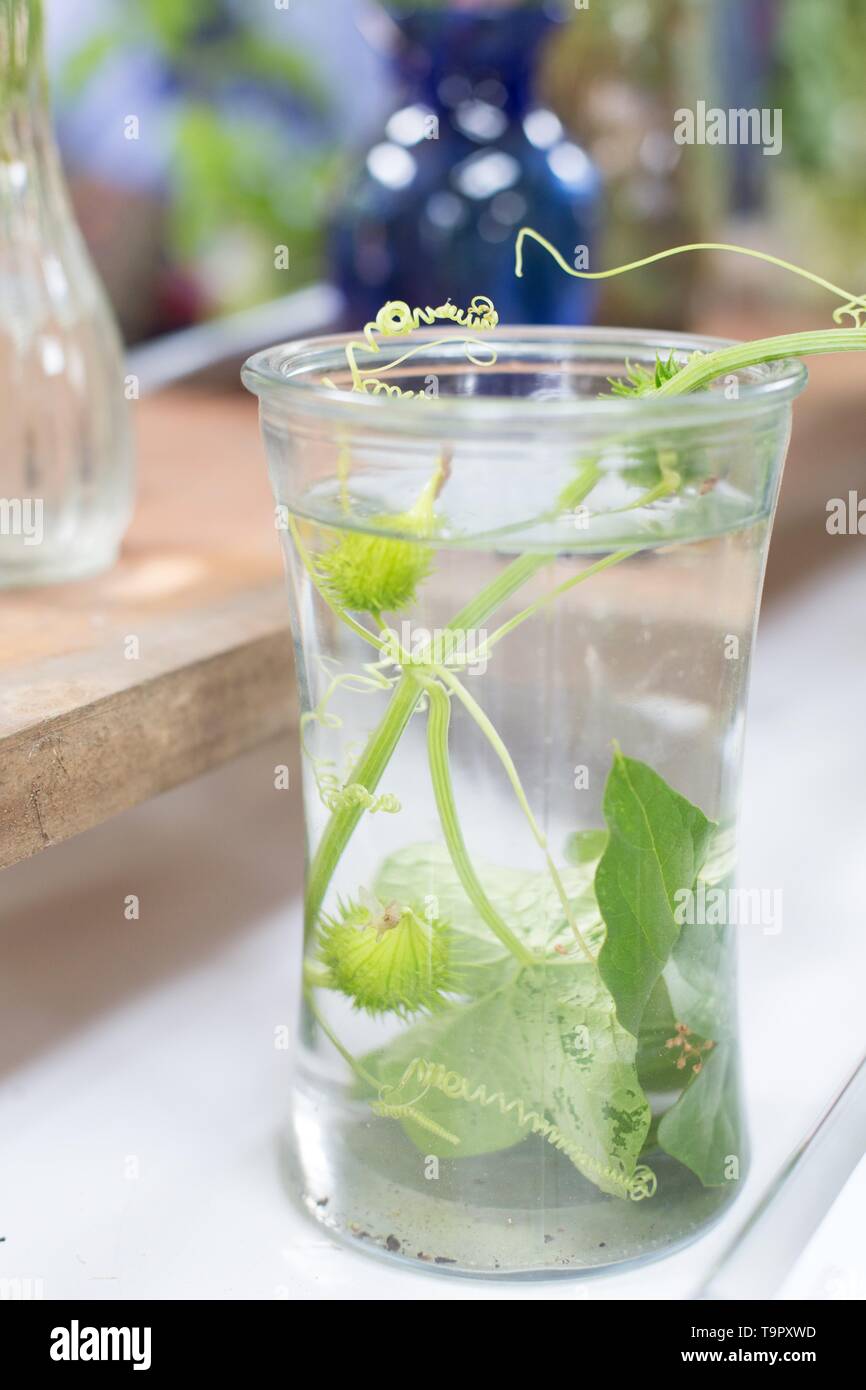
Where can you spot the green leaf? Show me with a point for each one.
(544, 1054)
(585, 846)
(640, 380)
(701, 973)
(658, 842)
(721, 860)
(472, 1040)
(224, 180)
(528, 901)
(702, 1129)
(582, 1062)
(701, 979)
(656, 1062)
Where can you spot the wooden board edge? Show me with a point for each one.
(68, 775)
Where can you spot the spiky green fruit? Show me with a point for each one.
(367, 573)
(387, 958)
(373, 574)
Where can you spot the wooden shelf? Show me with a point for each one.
(87, 727)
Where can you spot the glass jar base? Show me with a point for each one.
(546, 1221)
(59, 569)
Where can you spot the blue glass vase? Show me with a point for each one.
(468, 157)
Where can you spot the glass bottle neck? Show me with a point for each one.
(22, 71)
(31, 183)
(455, 50)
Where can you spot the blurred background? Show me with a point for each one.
(389, 146)
(261, 169)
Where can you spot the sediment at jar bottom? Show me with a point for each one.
(524, 1212)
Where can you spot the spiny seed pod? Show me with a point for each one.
(379, 574)
(387, 958)
(372, 574)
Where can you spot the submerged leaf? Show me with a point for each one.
(658, 842)
(582, 1062)
(702, 1129)
(701, 973)
(701, 979)
(526, 900)
(585, 846)
(476, 1041)
(543, 1055)
(656, 1062)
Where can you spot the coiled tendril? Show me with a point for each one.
(335, 793)
(395, 319)
(433, 1075)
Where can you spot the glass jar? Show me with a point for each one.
(65, 442)
(523, 621)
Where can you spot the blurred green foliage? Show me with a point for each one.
(479, 6)
(821, 85)
(820, 88)
(245, 177)
(17, 59)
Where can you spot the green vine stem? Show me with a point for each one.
(438, 721)
(854, 306)
(811, 342)
(615, 558)
(381, 1107)
(368, 772)
(484, 724)
(360, 1071)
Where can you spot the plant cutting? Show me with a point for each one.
(520, 1049)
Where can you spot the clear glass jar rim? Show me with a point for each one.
(280, 375)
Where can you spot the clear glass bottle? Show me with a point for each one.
(66, 472)
(524, 618)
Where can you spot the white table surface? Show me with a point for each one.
(141, 1095)
(833, 1263)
